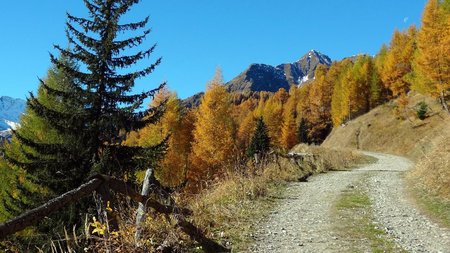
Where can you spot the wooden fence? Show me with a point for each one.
(100, 183)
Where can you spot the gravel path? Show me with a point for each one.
(303, 222)
(409, 228)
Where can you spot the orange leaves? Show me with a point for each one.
(213, 130)
(432, 62)
(398, 61)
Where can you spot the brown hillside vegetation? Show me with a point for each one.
(383, 130)
(424, 141)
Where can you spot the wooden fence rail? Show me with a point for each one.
(33, 216)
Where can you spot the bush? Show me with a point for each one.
(421, 110)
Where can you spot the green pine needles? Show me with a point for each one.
(76, 125)
(260, 142)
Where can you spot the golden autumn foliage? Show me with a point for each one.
(176, 122)
(272, 113)
(289, 125)
(213, 139)
(398, 61)
(217, 134)
(432, 61)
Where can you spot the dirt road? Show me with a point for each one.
(317, 216)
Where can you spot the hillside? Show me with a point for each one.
(425, 142)
(382, 131)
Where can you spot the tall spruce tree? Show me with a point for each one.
(260, 142)
(92, 112)
(302, 133)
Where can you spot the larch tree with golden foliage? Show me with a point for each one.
(321, 92)
(273, 115)
(176, 124)
(289, 127)
(398, 62)
(432, 61)
(339, 99)
(213, 132)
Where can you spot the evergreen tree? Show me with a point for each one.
(302, 133)
(260, 142)
(94, 110)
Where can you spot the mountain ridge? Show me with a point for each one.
(264, 77)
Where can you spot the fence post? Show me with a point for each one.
(140, 214)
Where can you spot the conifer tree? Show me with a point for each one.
(176, 123)
(302, 132)
(398, 62)
(260, 143)
(288, 130)
(273, 115)
(432, 62)
(320, 102)
(213, 132)
(340, 103)
(92, 112)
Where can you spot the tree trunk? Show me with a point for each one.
(443, 102)
(140, 214)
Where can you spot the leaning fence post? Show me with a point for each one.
(140, 214)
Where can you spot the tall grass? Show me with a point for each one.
(229, 210)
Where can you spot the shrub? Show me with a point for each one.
(421, 110)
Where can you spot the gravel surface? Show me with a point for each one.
(395, 212)
(303, 221)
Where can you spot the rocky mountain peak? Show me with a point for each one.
(313, 55)
(10, 111)
(264, 77)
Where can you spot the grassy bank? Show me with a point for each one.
(230, 209)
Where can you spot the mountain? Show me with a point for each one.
(10, 111)
(263, 77)
(259, 77)
(303, 70)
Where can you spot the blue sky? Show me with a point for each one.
(196, 36)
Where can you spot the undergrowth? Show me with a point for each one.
(227, 211)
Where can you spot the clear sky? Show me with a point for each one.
(196, 36)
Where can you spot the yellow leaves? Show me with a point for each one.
(398, 61)
(99, 228)
(108, 208)
(213, 133)
(432, 60)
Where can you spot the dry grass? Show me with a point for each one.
(427, 142)
(382, 130)
(433, 170)
(230, 209)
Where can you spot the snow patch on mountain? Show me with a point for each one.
(10, 111)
